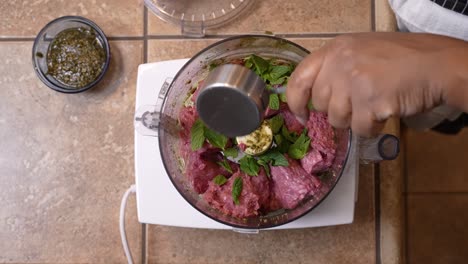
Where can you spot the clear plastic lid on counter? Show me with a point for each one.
(195, 16)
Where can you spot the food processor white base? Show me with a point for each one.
(158, 202)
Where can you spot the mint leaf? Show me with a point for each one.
(300, 147)
(281, 143)
(290, 136)
(276, 123)
(278, 139)
(261, 65)
(225, 165)
(216, 140)
(212, 66)
(275, 157)
(231, 152)
(278, 81)
(283, 98)
(279, 71)
(248, 63)
(220, 180)
(249, 165)
(236, 189)
(274, 103)
(265, 165)
(197, 135)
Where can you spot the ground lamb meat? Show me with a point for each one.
(254, 195)
(323, 137)
(201, 165)
(187, 117)
(291, 184)
(313, 162)
(291, 122)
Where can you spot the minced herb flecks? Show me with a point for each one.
(76, 57)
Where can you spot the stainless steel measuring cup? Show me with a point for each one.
(232, 100)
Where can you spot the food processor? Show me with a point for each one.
(159, 120)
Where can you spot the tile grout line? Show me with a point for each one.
(147, 37)
(378, 255)
(144, 242)
(145, 34)
(144, 239)
(13, 39)
(373, 22)
(125, 38)
(221, 36)
(378, 251)
(435, 193)
(405, 202)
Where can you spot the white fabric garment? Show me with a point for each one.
(428, 17)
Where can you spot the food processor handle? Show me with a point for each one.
(382, 147)
(148, 118)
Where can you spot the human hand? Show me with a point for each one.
(363, 79)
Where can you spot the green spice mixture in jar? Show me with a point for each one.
(76, 57)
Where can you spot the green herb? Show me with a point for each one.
(310, 106)
(264, 164)
(281, 143)
(215, 139)
(278, 81)
(215, 63)
(261, 65)
(276, 123)
(249, 165)
(275, 157)
(274, 102)
(197, 135)
(299, 149)
(273, 72)
(278, 139)
(231, 152)
(236, 189)
(248, 63)
(283, 98)
(220, 180)
(279, 71)
(225, 165)
(212, 66)
(76, 57)
(290, 136)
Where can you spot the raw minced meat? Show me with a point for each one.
(254, 195)
(291, 184)
(286, 187)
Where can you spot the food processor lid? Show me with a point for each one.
(195, 16)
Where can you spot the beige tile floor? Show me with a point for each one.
(59, 201)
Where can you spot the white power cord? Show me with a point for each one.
(123, 235)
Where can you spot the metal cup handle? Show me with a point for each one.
(382, 147)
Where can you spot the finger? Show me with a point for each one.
(385, 109)
(321, 94)
(363, 123)
(299, 88)
(339, 108)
